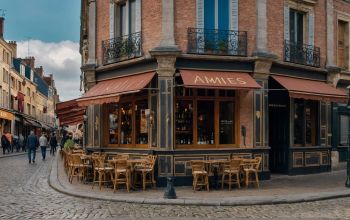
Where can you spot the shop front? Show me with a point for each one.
(211, 114)
(6, 119)
(300, 112)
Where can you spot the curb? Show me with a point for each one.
(13, 155)
(55, 183)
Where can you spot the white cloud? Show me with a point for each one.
(62, 59)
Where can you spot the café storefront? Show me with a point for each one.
(6, 119)
(211, 113)
(300, 123)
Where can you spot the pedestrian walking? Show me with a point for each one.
(32, 144)
(21, 142)
(10, 140)
(15, 143)
(5, 144)
(53, 144)
(43, 144)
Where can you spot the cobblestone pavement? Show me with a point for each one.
(25, 194)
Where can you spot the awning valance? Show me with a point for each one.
(217, 80)
(311, 89)
(69, 112)
(110, 90)
(31, 122)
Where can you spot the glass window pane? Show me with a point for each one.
(132, 16)
(226, 123)
(205, 122)
(141, 122)
(184, 122)
(113, 123)
(123, 29)
(298, 122)
(344, 130)
(126, 123)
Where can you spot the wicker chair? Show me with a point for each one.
(76, 167)
(101, 170)
(122, 174)
(232, 171)
(200, 175)
(146, 171)
(251, 169)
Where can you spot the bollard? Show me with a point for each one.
(170, 190)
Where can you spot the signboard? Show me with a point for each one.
(6, 115)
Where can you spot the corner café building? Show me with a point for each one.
(206, 114)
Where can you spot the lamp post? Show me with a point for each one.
(347, 183)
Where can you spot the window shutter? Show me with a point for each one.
(138, 16)
(286, 23)
(311, 28)
(111, 19)
(234, 15)
(200, 23)
(200, 14)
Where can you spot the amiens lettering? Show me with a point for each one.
(219, 80)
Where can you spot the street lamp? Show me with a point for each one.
(347, 183)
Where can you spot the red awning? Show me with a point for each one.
(69, 112)
(218, 80)
(311, 89)
(109, 90)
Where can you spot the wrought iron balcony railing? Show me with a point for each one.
(301, 53)
(122, 48)
(217, 42)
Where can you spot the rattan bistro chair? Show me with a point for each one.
(200, 175)
(232, 171)
(101, 171)
(76, 167)
(251, 171)
(122, 174)
(146, 171)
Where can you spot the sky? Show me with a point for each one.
(48, 30)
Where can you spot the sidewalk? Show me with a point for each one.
(280, 189)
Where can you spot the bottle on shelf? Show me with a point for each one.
(212, 138)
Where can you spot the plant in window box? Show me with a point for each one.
(129, 48)
(209, 46)
(222, 46)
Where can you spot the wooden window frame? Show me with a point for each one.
(133, 99)
(314, 125)
(216, 99)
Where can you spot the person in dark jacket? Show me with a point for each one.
(53, 144)
(5, 144)
(32, 144)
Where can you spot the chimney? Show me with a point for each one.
(13, 45)
(40, 71)
(2, 19)
(29, 61)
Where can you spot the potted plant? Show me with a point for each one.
(209, 46)
(222, 46)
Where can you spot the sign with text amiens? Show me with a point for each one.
(218, 80)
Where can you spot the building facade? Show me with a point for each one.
(207, 79)
(25, 101)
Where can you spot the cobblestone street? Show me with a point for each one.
(25, 193)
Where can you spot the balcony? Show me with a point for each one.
(301, 53)
(217, 42)
(122, 48)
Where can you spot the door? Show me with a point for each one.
(278, 128)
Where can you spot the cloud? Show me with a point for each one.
(62, 59)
